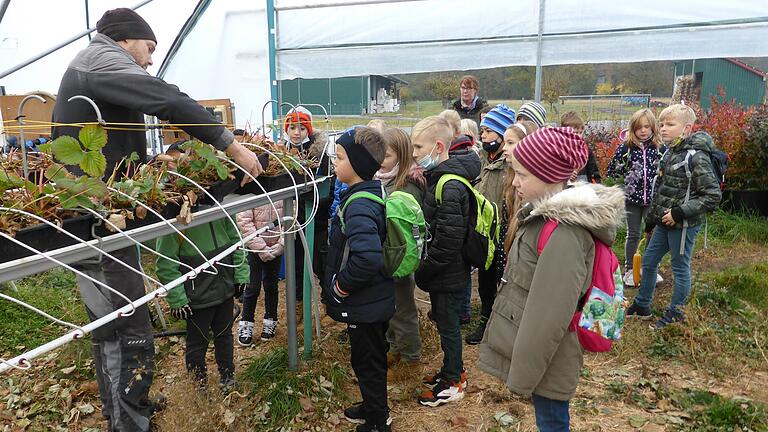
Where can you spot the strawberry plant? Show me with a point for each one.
(86, 153)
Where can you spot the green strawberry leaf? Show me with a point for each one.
(93, 137)
(94, 164)
(67, 150)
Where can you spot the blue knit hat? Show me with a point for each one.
(499, 119)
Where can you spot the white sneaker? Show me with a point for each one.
(629, 279)
(268, 332)
(659, 279)
(245, 333)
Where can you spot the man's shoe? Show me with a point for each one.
(443, 393)
(476, 336)
(432, 380)
(670, 316)
(354, 414)
(639, 312)
(268, 331)
(245, 333)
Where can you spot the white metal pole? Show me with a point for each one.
(539, 43)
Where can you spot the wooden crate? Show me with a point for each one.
(220, 108)
(33, 110)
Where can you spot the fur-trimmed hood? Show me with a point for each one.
(317, 143)
(416, 176)
(595, 207)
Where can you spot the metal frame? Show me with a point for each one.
(22, 267)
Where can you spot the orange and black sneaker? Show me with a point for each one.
(442, 393)
(432, 380)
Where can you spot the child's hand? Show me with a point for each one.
(240, 289)
(667, 219)
(182, 313)
(574, 175)
(266, 255)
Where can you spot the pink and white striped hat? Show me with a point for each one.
(552, 154)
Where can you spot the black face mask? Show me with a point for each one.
(491, 147)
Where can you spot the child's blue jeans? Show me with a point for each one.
(551, 415)
(662, 241)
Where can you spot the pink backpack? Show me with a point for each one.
(599, 317)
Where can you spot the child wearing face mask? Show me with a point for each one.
(491, 185)
(444, 270)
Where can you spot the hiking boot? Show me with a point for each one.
(476, 336)
(354, 414)
(245, 333)
(670, 316)
(639, 312)
(432, 380)
(442, 393)
(629, 278)
(270, 327)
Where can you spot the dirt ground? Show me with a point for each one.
(487, 405)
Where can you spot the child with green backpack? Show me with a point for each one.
(444, 270)
(399, 173)
(358, 290)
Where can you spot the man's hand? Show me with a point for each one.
(246, 159)
(667, 219)
(182, 313)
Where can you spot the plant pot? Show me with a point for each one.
(46, 238)
(169, 212)
(272, 183)
(754, 201)
(221, 188)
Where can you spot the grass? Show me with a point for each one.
(280, 391)
(54, 292)
(726, 228)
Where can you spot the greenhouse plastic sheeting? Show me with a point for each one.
(30, 27)
(225, 56)
(434, 35)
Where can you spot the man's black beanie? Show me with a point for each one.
(123, 23)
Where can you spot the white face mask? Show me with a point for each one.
(428, 162)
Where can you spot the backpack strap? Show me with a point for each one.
(687, 162)
(546, 233)
(354, 196)
(443, 180)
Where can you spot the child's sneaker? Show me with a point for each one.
(245, 333)
(354, 414)
(629, 279)
(640, 312)
(268, 332)
(476, 336)
(373, 428)
(228, 385)
(671, 316)
(442, 393)
(432, 380)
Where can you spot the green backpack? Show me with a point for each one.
(480, 245)
(406, 232)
